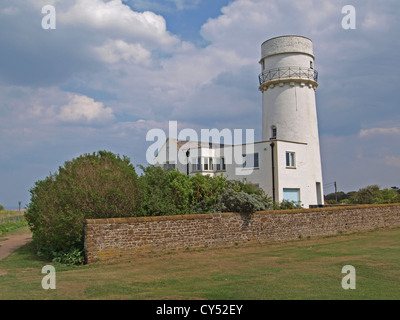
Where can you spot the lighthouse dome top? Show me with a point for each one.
(287, 44)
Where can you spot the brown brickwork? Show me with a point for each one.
(113, 238)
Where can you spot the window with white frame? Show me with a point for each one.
(205, 163)
(208, 164)
(290, 159)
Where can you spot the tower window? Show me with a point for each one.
(290, 159)
(311, 65)
(273, 132)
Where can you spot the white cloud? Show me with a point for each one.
(116, 18)
(392, 161)
(241, 25)
(377, 21)
(185, 4)
(10, 11)
(81, 108)
(118, 50)
(379, 131)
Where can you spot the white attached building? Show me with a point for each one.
(287, 162)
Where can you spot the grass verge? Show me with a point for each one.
(303, 269)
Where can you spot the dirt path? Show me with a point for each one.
(13, 242)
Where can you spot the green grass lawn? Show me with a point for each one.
(304, 269)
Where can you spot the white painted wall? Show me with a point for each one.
(304, 176)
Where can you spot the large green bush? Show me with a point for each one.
(171, 192)
(98, 185)
(165, 192)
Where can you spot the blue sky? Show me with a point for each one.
(113, 70)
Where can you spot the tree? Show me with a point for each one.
(396, 189)
(365, 195)
(388, 196)
(374, 195)
(331, 198)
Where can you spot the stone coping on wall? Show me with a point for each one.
(202, 216)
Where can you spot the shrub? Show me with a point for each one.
(172, 192)
(242, 202)
(1, 208)
(206, 191)
(73, 257)
(165, 192)
(288, 205)
(248, 188)
(236, 201)
(98, 185)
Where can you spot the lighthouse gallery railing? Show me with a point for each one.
(288, 73)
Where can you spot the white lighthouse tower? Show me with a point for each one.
(288, 82)
(286, 164)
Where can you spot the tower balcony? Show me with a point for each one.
(287, 73)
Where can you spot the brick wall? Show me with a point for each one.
(113, 238)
